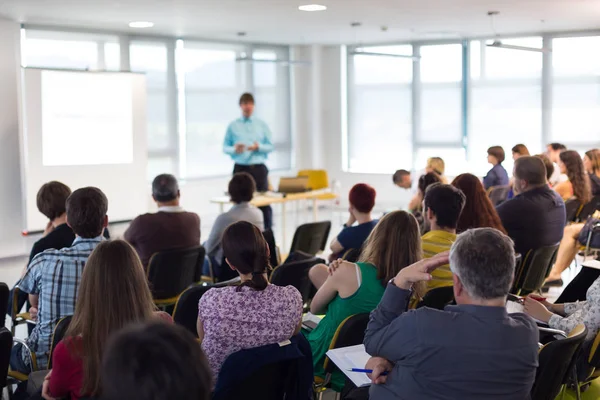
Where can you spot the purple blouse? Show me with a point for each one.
(237, 320)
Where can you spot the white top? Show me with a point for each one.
(171, 209)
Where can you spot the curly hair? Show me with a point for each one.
(577, 176)
(478, 211)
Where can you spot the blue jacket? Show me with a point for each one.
(497, 176)
(245, 363)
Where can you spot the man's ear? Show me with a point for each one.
(429, 213)
(458, 286)
(178, 194)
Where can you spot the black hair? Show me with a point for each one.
(86, 210)
(428, 179)
(399, 175)
(246, 249)
(241, 187)
(446, 202)
(155, 361)
(165, 188)
(246, 98)
(557, 146)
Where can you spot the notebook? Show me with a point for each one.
(346, 358)
(310, 321)
(512, 307)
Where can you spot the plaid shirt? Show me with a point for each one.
(54, 275)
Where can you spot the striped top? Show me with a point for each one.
(54, 275)
(435, 242)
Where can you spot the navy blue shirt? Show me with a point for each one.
(353, 237)
(534, 219)
(497, 176)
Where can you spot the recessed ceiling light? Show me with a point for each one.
(312, 7)
(141, 24)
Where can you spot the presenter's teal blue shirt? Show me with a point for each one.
(248, 131)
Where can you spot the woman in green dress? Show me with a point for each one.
(345, 288)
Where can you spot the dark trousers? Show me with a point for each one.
(577, 289)
(260, 173)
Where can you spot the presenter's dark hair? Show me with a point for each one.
(165, 188)
(399, 175)
(557, 146)
(241, 187)
(246, 98)
(246, 249)
(446, 202)
(52, 199)
(86, 210)
(155, 361)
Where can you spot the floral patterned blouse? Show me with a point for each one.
(237, 318)
(586, 312)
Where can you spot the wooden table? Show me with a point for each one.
(270, 198)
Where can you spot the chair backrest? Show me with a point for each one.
(534, 269)
(352, 255)
(556, 362)
(4, 293)
(6, 342)
(438, 298)
(588, 209)
(171, 272)
(186, 308)
(296, 274)
(57, 335)
(498, 194)
(351, 332)
(317, 178)
(270, 239)
(311, 238)
(572, 207)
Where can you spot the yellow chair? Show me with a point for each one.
(317, 180)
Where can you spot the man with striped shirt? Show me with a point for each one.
(53, 276)
(442, 206)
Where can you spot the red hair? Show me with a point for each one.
(362, 197)
(479, 211)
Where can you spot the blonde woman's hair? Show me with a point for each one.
(437, 164)
(394, 243)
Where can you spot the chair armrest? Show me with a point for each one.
(31, 354)
(552, 331)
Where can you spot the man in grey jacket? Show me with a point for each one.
(473, 350)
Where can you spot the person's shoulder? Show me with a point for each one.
(65, 348)
(288, 292)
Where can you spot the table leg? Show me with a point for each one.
(315, 210)
(283, 228)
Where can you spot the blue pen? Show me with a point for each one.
(365, 371)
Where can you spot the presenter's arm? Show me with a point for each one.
(228, 143)
(265, 145)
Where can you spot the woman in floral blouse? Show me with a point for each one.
(253, 314)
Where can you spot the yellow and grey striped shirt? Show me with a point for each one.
(435, 242)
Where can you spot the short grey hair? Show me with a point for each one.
(165, 188)
(484, 261)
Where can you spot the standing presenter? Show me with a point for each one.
(248, 142)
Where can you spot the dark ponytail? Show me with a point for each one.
(247, 251)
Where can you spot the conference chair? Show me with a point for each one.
(5, 349)
(590, 369)
(498, 194)
(351, 332)
(296, 274)
(16, 317)
(533, 269)
(59, 333)
(171, 272)
(4, 293)
(318, 179)
(186, 308)
(311, 238)
(572, 207)
(588, 209)
(274, 257)
(557, 361)
(352, 255)
(438, 298)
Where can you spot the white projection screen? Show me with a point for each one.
(85, 129)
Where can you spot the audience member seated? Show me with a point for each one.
(155, 362)
(549, 166)
(553, 151)
(113, 293)
(241, 190)
(478, 211)
(578, 184)
(497, 176)
(52, 278)
(416, 204)
(519, 150)
(536, 216)
(473, 350)
(51, 201)
(362, 201)
(434, 165)
(402, 179)
(253, 314)
(345, 289)
(443, 206)
(567, 316)
(591, 162)
(170, 228)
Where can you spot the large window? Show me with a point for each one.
(380, 109)
(192, 92)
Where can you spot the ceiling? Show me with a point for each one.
(279, 21)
